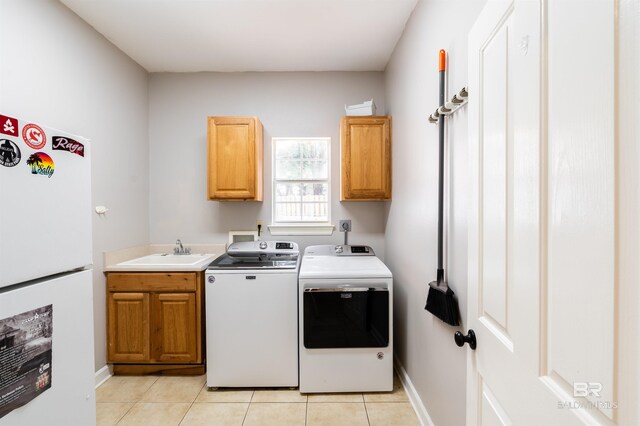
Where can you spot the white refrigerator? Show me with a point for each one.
(46, 295)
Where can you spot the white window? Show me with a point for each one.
(301, 180)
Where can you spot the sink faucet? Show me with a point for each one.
(180, 248)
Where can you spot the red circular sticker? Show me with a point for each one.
(34, 136)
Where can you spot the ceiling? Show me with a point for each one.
(250, 35)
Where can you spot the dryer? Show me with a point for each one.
(345, 320)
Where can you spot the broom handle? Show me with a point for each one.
(442, 66)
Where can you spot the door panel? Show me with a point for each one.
(365, 144)
(495, 140)
(492, 412)
(235, 158)
(252, 329)
(542, 227)
(338, 318)
(233, 146)
(128, 327)
(581, 201)
(175, 335)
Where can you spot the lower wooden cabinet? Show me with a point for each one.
(174, 323)
(128, 327)
(155, 322)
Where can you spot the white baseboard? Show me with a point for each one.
(414, 398)
(102, 375)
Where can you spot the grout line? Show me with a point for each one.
(126, 412)
(192, 402)
(185, 413)
(306, 411)
(367, 413)
(248, 406)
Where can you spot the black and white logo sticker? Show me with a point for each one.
(9, 153)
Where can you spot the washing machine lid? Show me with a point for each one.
(226, 262)
(319, 267)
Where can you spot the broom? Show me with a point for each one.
(440, 300)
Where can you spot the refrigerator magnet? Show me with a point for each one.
(9, 153)
(41, 164)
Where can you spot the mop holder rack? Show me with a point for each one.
(458, 100)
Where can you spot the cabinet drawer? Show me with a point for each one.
(152, 281)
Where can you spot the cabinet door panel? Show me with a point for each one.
(235, 158)
(128, 327)
(175, 332)
(366, 145)
(366, 158)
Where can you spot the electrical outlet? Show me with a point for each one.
(345, 225)
(259, 222)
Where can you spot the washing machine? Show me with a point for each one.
(345, 320)
(252, 316)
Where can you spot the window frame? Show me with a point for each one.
(300, 227)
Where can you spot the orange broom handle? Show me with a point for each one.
(443, 60)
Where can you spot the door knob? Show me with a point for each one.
(470, 338)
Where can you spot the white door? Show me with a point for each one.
(544, 227)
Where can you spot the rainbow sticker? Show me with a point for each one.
(41, 164)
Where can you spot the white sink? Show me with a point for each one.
(166, 260)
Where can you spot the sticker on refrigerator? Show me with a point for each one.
(25, 357)
(67, 144)
(8, 125)
(9, 153)
(41, 164)
(34, 136)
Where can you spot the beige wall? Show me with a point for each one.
(424, 344)
(55, 69)
(304, 104)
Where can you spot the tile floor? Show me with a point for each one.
(153, 400)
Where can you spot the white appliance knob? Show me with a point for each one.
(339, 249)
(211, 279)
(263, 245)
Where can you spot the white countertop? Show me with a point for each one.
(160, 258)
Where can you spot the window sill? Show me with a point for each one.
(301, 229)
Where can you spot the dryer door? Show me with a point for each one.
(346, 317)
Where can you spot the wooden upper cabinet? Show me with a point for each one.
(235, 158)
(365, 145)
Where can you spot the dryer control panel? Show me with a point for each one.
(339, 250)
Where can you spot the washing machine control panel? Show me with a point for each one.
(359, 249)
